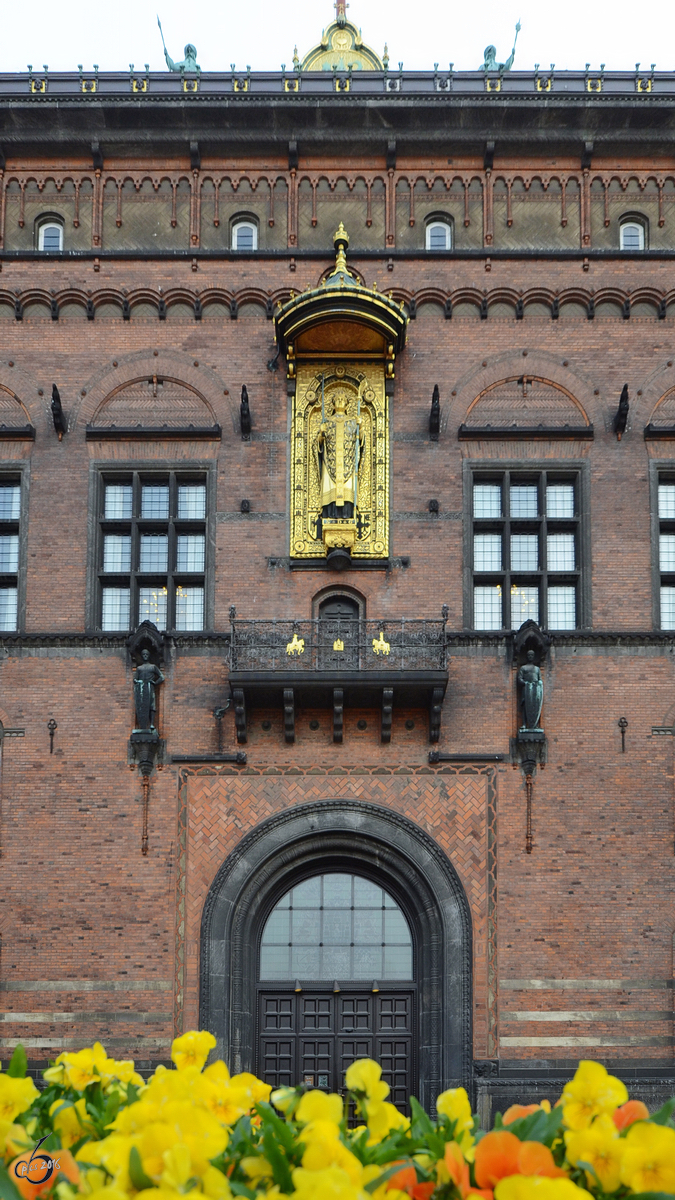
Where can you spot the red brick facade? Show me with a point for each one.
(572, 944)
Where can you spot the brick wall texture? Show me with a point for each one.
(93, 934)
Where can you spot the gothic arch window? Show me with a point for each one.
(337, 872)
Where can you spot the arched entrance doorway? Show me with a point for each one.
(335, 984)
(339, 841)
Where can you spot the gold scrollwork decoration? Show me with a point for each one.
(358, 389)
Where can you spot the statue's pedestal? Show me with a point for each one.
(529, 749)
(144, 746)
(339, 533)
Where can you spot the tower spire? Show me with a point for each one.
(341, 7)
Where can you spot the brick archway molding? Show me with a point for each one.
(365, 839)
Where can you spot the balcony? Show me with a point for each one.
(338, 663)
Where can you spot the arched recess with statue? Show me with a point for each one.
(338, 930)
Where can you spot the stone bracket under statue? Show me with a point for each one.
(146, 649)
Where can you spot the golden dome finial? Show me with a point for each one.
(341, 241)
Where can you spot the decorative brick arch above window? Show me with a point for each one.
(13, 415)
(158, 402)
(524, 402)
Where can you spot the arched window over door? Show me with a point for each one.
(361, 840)
(335, 984)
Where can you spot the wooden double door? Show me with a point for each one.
(312, 1036)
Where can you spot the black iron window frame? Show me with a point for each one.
(17, 476)
(175, 475)
(507, 474)
(661, 473)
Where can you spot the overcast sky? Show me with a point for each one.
(262, 33)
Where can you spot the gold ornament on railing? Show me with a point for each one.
(297, 646)
(338, 644)
(380, 646)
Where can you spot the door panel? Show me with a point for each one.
(312, 1037)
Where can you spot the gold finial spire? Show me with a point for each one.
(341, 241)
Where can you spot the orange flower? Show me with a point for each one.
(536, 1159)
(484, 1193)
(632, 1110)
(516, 1111)
(423, 1191)
(496, 1157)
(34, 1178)
(404, 1180)
(458, 1168)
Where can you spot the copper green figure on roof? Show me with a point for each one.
(189, 63)
(490, 56)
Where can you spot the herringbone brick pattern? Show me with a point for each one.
(450, 807)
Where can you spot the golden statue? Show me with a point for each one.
(338, 451)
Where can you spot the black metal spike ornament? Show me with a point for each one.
(245, 416)
(58, 415)
(435, 415)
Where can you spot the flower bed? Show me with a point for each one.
(98, 1130)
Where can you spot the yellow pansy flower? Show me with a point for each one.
(70, 1121)
(192, 1049)
(215, 1185)
(317, 1106)
(591, 1092)
(601, 1147)
(13, 1139)
(177, 1167)
(364, 1075)
(323, 1148)
(382, 1118)
(538, 1187)
(284, 1098)
(329, 1184)
(16, 1095)
(454, 1104)
(113, 1154)
(649, 1158)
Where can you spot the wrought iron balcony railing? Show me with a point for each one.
(338, 644)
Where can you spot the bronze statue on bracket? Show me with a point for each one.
(531, 694)
(146, 679)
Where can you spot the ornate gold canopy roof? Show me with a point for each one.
(340, 48)
(341, 317)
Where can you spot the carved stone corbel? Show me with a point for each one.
(387, 713)
(239, 714)
(435, 713)
(338, 714)
(289, 716)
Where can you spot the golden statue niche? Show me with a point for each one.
(340, 340)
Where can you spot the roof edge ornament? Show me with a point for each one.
(341, 47)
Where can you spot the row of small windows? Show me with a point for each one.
(439, 234)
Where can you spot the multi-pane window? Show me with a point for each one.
(152, 556)
(336, 927)
(526, 550)
(10, 513)
(632, 235)
(666, 516)
(439, 235)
